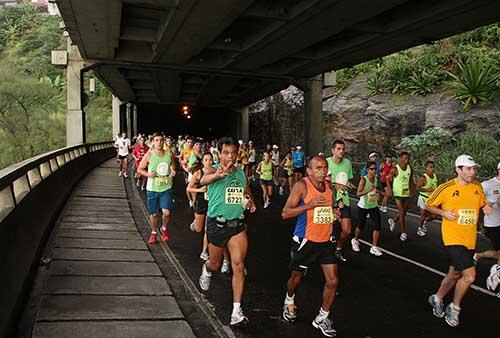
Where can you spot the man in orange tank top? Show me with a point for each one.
(311, 201)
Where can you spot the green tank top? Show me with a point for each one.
(401, 184)
(370, 199)
(266, 171)
(429, 183)
(192, 160)
(161, 166)
(225, 196)
(341, 172)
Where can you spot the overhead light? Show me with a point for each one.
(189, 116)
(227, 40)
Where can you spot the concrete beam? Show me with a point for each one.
(204, 22)
(167, 85)
(112, 77)
(75, 116)
(313, 115)
(116, 116)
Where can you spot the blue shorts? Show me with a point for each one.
(159, 200)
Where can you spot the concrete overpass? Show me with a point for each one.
(227, 54)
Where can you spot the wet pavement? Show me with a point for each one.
(378, 296)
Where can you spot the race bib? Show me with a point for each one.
(234, 195)
(467, 216)
(372, 197)
(323, 215)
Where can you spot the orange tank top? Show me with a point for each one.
(316, 224)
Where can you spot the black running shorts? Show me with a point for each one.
(303, 256)
(493, 233)
(200, 206)
(219, 235)
(374, 218)
(460, 257)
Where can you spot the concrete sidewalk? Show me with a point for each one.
(103, 280)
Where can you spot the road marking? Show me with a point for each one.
(428, 268)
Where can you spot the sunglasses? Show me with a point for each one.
(372, 168)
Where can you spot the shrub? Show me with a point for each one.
(476, 83)
(422, 83)
(376, 83)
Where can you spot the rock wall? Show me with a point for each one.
(366, 123)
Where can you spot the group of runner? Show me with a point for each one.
(218, 175)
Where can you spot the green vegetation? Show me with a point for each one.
(467, 65)
(33, 92)
(440, 146)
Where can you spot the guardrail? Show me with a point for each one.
(32, 194)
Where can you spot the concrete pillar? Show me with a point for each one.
(244, 124)
(75, 117)
(134, 120)
(128, 116)
(116, 116)
(313, 117)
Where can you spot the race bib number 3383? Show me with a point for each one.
(467, 216)
(234, 195)
(323, 215)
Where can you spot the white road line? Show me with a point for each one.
(428, 268)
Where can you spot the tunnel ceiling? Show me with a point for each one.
(234, 52)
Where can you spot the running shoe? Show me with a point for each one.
(265, 205)
(340, 257)
(238, 318)
(383, 209)
(437, 306)
(375, 251)
(281, 191)
(204, 279)
(152, 239)
(367, 216)
(137, 183)
(403, 237)
(494, 278)
(125, 175)
(421, 232)
(452, 313)
(120, 174)
(164, 234)
(289, 312)
(392, 224)
(325, 325)
(190, 204)
(192, 226)
(204, 255)
(355, 244)
(143, 188)
(225, 266)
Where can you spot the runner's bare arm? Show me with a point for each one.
(142, 168)
(449, 214)
(210, 176)
(258, 168)
(191, 187)
(251, 203)
(361, 187)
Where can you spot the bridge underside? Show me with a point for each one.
(226, 53)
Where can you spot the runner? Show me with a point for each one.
(299, 163)
(252, 158)
(265, 170)
(367, 205)
(214, 151)
(311, 202)
(122, 145)
(138, 153)
(160, 172)
(228, 196)
(286, 174)
(458, 201)
(491, 189)
(426, 184)
(275, 159)
(243, 156)
(385, 177)
(200, 206)
(402, 186)
(340, 171)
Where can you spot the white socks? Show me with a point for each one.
(236, 308)
(205, 271)
(322, 315)
(289, 300)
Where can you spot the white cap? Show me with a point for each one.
(372, 154)
(498, 165)
(298, 147)
(250, 142)
(275, 146)
(240, 142)
(465, 161)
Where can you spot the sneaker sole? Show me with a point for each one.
(290, 320)
(450, 324)
(323, 332)
(242, 323)
(433, 312)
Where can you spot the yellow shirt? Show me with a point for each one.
(466, 202)
(186, 152)
(243, 156)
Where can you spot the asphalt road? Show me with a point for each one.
(378, 296)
